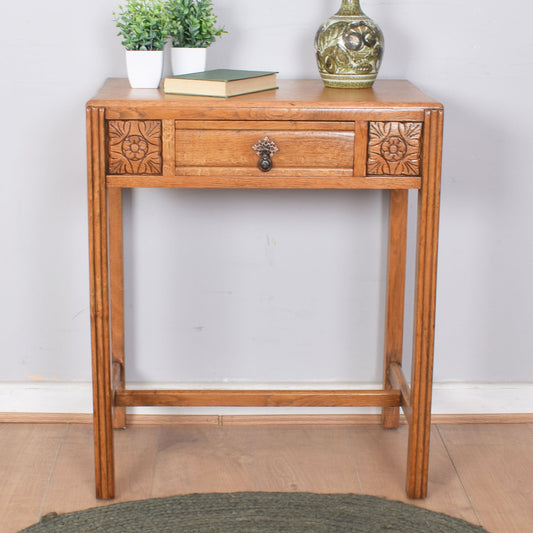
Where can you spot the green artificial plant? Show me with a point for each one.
(192, 23)
(143, 24)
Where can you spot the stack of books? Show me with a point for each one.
(220, 82)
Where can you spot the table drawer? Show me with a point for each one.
(227, 147)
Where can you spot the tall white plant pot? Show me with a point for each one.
(187, 60)
(145, 68)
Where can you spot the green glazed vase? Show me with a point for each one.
(349, 48)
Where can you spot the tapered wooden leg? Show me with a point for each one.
(99, 286)
(390, 416)
(424, 319)
(116, 280)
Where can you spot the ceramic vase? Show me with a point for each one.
(349, 48)
(187, 60)
(144, 68)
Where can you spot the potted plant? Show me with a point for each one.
(192, 29)
(144, 26)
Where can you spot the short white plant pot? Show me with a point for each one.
(145, 68)
(187, 60)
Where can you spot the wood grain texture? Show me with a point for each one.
(379, 456)
(308, 150)
(360, 148)
(331, 419)
(327, 140)
(72, 481)
(478, 472)
(168, 147)
(398, 98)
(225, 178)
(299, 458)
(259, 398)
(265, 125)
(495, 465)
(99, 289)
(116, 278)
(194, 459)
(26, 463)
(424, 323)
(394, 319)
(398, 381)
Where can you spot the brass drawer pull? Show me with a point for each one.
(265, 149)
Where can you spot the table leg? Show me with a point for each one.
(424, 310)
(116, 281)
(99, 285)
(390, 416)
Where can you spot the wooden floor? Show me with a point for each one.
(482, 473)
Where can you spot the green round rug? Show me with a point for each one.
(255, 512)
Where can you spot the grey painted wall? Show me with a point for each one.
(267, 286)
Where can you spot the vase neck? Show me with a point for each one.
(350, 7)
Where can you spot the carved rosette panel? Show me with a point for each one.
(394, 148)
(134, 147)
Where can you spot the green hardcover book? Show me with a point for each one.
(220, 82)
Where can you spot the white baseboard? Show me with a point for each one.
(448, 399)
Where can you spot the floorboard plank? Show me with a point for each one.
(495, 465)
(26, 464)
(202, 459)
(481, 473)
(72, 483)
(380, 455)
(303, 458)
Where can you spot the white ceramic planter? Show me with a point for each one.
(144, 68)
(187, 60)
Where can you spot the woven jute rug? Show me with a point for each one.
(255, 512)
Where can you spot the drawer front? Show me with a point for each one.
(227, 147)
(224, 153)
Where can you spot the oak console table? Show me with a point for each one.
(300, 136)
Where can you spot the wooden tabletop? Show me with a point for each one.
(385, 93)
